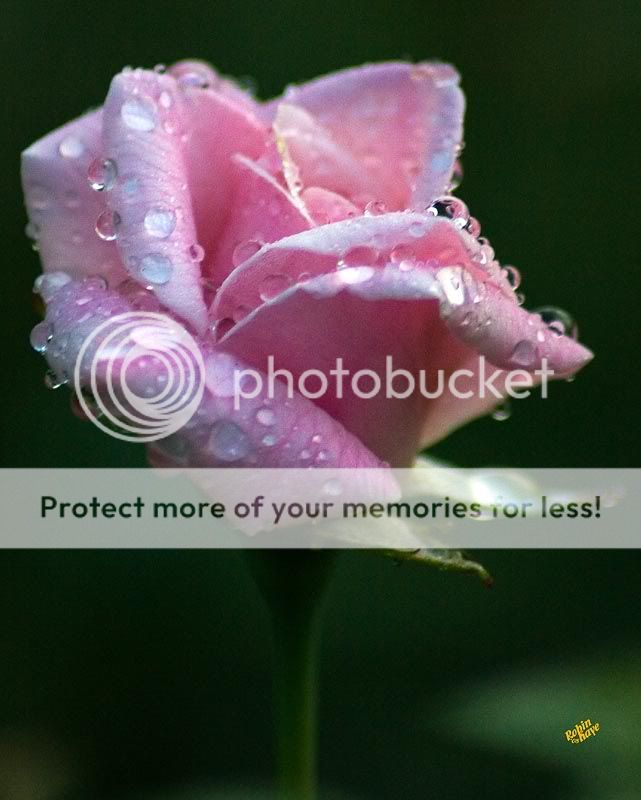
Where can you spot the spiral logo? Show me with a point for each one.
(145, 375)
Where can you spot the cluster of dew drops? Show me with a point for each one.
(156, 269)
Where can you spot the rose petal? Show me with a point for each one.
(402, 121)
(358, 241)
(216, 126)
(325, 206)
(311, 157)
(151, 197)
(365, 315)
(62, 206)
(260, 211)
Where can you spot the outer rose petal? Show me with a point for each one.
(261, 211)
(402, 121)
(355, 241)
(290, 432)
(62, 206)
(201, 75)
(374, 314)
(217, 126)
(151, 197)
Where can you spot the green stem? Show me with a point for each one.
(293, 584)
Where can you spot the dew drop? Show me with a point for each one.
(273, 285)
(417, 229)
(165, 100)
(375, 208)
(32, 230)
(107, 225)
(354, 275)
(195, 78)
(457, 176)
(196, 252)
(228, 441)
(52, 381)
(160, 222)
(269, 440)
(48, 284)
(558, 321)
(304, 455)
(245, 250)
(513, 276)
(473, 227)
(40, 336)
(452, 208)
(265, 416)
(71, 147)
(156, 268)
(502, 411)
(524, 353)
(102, 174)
(139, 114)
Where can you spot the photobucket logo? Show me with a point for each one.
(398, 384)
(139, 376)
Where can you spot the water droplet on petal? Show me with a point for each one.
(457, 176)
(525, 353)
(502, 411)
(228, 441)
(160, 222)
(71, 147)
(194, 78)
(453, 208)
(513, 276)
(473, 227)
(265, 416)
(354, 275)
(558, 321)
(156, 268)
(40, 336)
(52, 381)
(520, 298)
(107, 225)
(273, 285)
(375, 208)
(358, 256)
(196, 252)
(269, 440)
(304, 455)
(32, 230)
(139, 114)
(48, 284)
(245, 250)
(160, 69)
(417, 229)
(102, 174)
(165, 100)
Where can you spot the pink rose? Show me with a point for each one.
(306, 229)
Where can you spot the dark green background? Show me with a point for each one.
(149, 670)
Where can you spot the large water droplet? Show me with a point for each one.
(269, 440)
(107, 225)
(71, 147)
(525, 353)
(453, 208)
(102, 174)
(160, 222)
(40, 336)
(273, 285)
(558, 321)
(32, 230)
(156, 268)
(139, 114)
(48, 284)
(245, 250)
(228, 441)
